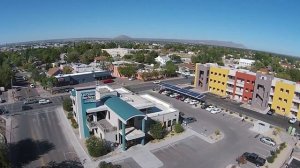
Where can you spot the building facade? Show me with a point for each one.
(262, 91)
(117, 115)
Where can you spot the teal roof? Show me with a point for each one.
(123, 109)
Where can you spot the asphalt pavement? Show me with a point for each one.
(275, 120)
(37, 139)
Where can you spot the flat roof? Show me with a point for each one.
(186, 92)
(123, 109)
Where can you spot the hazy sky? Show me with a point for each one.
(271, 25)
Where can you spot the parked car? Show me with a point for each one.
(182, 98)
(160, 91)
(32, 85)
(178, 97)
(268, 141)
(193, 102)
(174, 95)
(44, 101)
(210, 108)
(165, 92)
(30, 101)
(187, 100)
(3, 111)
(271, 112)
(156, 82)
(204, 106)
(26, 107)
(215, 111)
(254, 158)
(189, 120)
(131, 79)
(293, 120)
(108, 81)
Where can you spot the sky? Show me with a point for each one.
(268, 25)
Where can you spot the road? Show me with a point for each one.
(37, 139)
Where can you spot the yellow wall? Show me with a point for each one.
(280, 95)
(218, 80)
(196, 78)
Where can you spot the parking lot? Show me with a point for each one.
(194, 152)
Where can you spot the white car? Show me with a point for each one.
(164, 92)
(156, 82)
(187, 100)
(193, 102)
(44, 101)
(131, 79)
(293, 120)
(32, 85)
(174, 95)
(210, 108)
(267, 141)
(215, 111)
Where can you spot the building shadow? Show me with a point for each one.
(64, 164)
(25, 151)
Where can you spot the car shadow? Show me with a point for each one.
(27, 150)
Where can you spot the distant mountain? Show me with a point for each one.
(122, 37)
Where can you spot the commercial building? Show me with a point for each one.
(260, 90)
(118, 115)
(245, 62)
(162, 60)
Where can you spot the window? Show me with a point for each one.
(281, 89)
(278, 108)
(215, 81)
(174, 122)
(116, 137)
(280, 98)
(223, 83)
(224, 75)
(169, 123)
(216, 73)
(287, 91)
(283, 109)
(248, 81)
(211, 73)
(108, 113)
(219, 81)
(218, 89)
(285, 100)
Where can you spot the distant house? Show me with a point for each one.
(162, 60)
(54, 71)
(245, 62)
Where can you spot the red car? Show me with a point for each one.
(108, 81)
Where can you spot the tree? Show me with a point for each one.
(73, 56)
(67, 70)
(170, 68)
(127, 70)
(67, 104)
(104, 164)
(6, 75)
(96, 147)
(4, 161)
(156, 130)
(176, 58)
(178, 128)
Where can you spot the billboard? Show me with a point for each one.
(88, 97)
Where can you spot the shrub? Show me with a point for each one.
(96, 147)
(178, 128)
(246, 117)
(241, 160)
(270, 159)
(74, 123)
(67, 104)
(104, 164)
(240, 115)
(70, 115)
(231, 112)
(217, 132)
(156, 130)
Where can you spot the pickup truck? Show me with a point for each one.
(254, 158)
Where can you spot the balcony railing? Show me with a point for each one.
(103, 125)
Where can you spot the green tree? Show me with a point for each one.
(156, 130)
(104, 164)
(72, 56)
(4, 161)
(127, 70)
(178, 128)
(67, 70)
(170, 68)
(96, 147)
(6, 75)
(67, 104)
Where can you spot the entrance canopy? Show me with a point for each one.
(124, 110)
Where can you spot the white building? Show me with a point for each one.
(114, 52)
(245, 62)
(111, 113)
(162, 60)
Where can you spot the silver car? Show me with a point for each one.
(268, 141)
